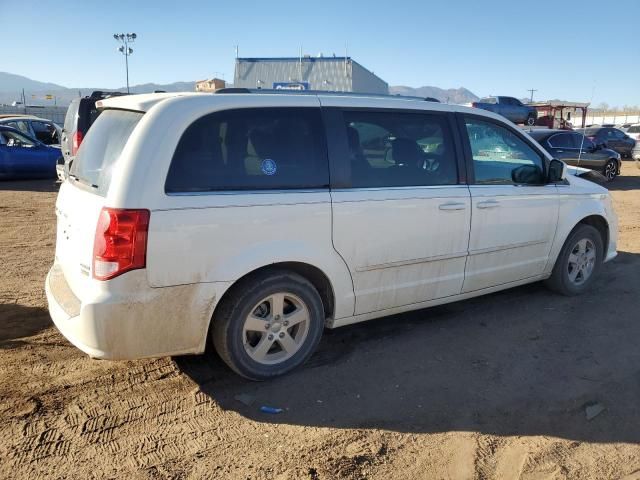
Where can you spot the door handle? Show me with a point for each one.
(560, 151)
(452, 206)
(489, 204)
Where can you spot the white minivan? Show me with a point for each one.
(253, 220)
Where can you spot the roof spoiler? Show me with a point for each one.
(101, 94)
(320, 92)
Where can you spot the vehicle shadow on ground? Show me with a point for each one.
(45, 185)
(520, 362)
(629, 181)
(19, 321)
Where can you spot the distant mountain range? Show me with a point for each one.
(11, 86)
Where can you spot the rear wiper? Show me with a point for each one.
(79, 180)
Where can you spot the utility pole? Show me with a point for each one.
(532, 90)
(125, 39)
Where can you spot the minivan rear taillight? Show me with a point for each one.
(76, 140)
(120, 244)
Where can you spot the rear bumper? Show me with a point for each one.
(68, 324)
(125, 319)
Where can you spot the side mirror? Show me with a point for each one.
(527, 174)
(557, 171)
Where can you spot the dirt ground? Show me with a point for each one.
(494, 387)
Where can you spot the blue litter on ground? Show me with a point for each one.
(267, 409)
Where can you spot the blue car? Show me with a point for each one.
(24, 157)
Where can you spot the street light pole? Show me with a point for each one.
(125, 39)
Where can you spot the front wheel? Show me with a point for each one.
(610, 170)
(578, 263)
(268, 325)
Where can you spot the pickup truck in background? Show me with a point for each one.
(510, 108)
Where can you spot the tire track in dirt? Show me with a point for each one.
(485, 461)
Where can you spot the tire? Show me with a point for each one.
(531, 120)
(565, 268)
(610, 170)
(251, 332)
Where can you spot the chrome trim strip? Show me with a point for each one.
(246, 192)
(506, 247)
(408, 187)
(403, 263)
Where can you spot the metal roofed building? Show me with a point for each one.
(337, 74)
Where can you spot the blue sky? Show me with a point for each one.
(578, 50)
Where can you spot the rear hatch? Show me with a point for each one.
(69, 128)
(82, 197)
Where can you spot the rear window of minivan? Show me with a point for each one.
(251, 149)
(102, 147)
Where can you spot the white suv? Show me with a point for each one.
(254, 220)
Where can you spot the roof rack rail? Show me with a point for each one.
(320, 92)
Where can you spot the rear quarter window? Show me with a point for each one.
(251, 149)
(101, 148)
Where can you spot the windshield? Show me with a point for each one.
(634, 129)
(102, 147)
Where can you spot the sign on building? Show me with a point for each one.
(291, 85)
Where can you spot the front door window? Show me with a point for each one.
(501, 157)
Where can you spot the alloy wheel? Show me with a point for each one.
(610, 171)
(276, 328)
(582, 261)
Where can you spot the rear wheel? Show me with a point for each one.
(610, 170)
(578, 263)
(269, 324)
(531, 120)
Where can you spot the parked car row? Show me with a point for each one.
(622, 140)
(81, 114)
(610, 137)
(577, 150)
(24, 137)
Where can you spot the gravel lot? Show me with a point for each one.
(494, 387)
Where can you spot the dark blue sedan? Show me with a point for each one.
(24, 157)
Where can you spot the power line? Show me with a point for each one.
(532, 90)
